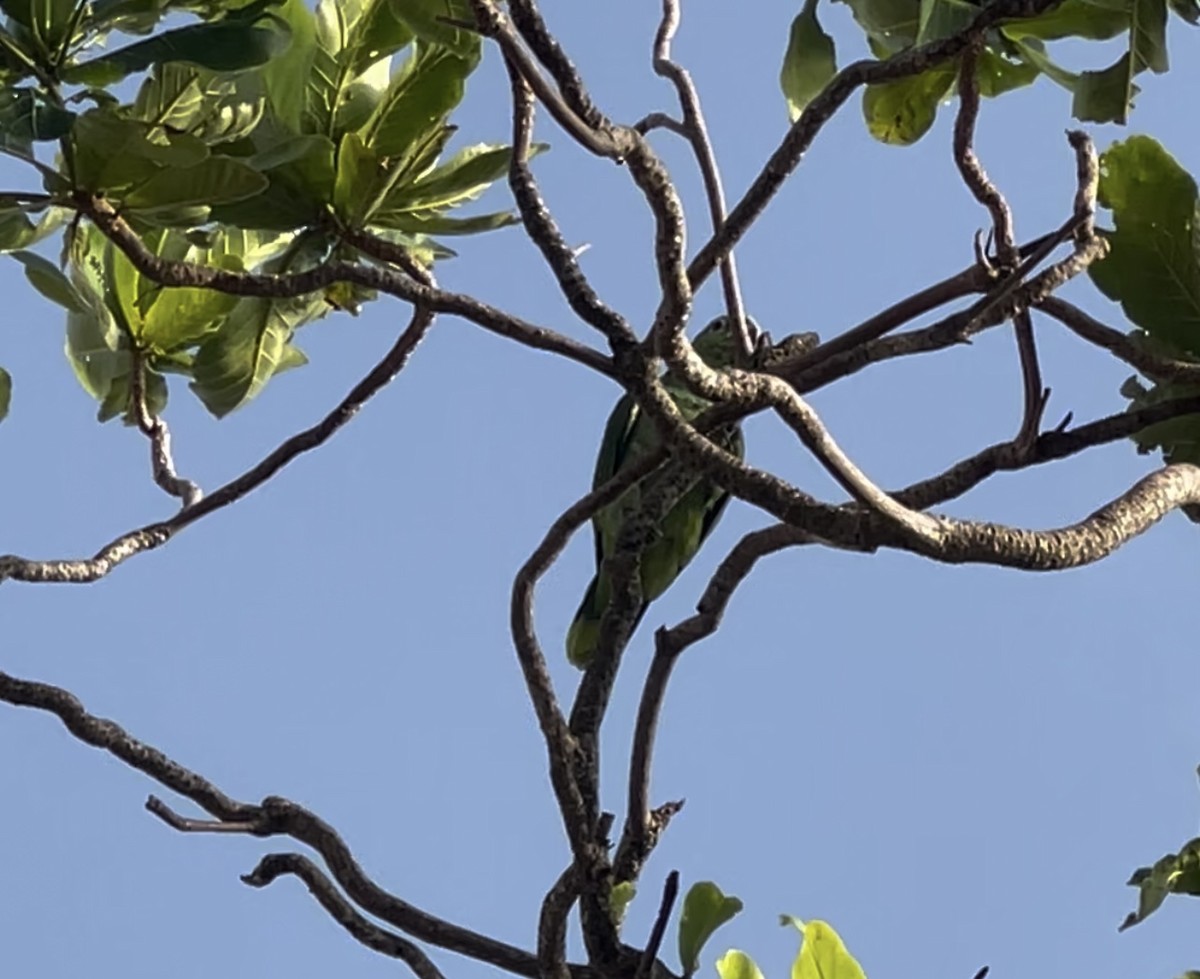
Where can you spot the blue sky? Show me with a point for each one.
(954, 766)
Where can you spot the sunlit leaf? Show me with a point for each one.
(705, 909)
(426, 88)
(822, 954)
(49, 280)
(462, 178)
(737, 965)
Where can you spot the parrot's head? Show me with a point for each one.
(717, 344)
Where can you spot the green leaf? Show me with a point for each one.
(113, 153)
(822, 954)
(285, 96)
(1033, 51)
(890, 24)
(1088, 19)
(901, 112)
(94, 349)
(809, 63)
(216, 180)
(463, 178)
(5, 393)
(18, 231)
(359, 172)
(1176, 873)
(941, 18)
(1189, 10)
(118, 401)
(27, 117)
(430, 223)
(223, 46)
(425, 90)
(705, 909)
(619, 900)
(427, 19)
(378, 34)
(737, 965)
(1107, 95)
(47, 279)
(997, 74)
(234, 364)
(1152, 266)
(214, 108)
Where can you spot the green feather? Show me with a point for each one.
(629, 436)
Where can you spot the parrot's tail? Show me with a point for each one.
(584, 633)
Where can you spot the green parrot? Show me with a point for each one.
(627, 437)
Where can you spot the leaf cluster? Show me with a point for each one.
(260, 132)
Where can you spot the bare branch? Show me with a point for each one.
(541, 228)
(1035, 396)
(666, 905)
(973, 174)
(586, 132)
(974, 278)
(696, 132)
(1121, 345)
(532, 27)
(155, 429)
(81, 571)
(275, 865)
(821, 109)
(274, 816)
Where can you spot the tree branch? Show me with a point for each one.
(81, 571)
(275, 865)
(821, 109)
(274, 816)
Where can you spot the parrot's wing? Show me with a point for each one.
(735, 444)
(614, 449)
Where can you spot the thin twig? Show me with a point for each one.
(696, 132)
(80, 571)
(1124, 346)
(162, 465)
(825, 105)
(659, 930)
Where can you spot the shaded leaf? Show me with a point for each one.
(47, 279)
(215, 180)
(223, 46)
(439, 224)
(809, 62)
(705, 909)
(901, 112)
(1088, 19)
(891, 25)
(234, 364)
(427, 19)
(5, 393)
(1151, 268)
(284, 95)
(997, 74)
